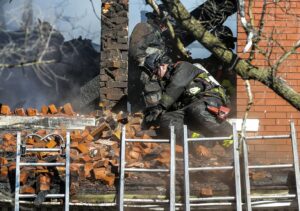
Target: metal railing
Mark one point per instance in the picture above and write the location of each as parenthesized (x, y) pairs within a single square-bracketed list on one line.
[(222, 200), (123, 168), (64, 150), (295, 165)]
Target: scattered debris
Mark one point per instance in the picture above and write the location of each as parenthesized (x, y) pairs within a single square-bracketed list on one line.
[(94, 150)]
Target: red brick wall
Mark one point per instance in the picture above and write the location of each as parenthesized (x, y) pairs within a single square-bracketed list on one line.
[(273, 112)]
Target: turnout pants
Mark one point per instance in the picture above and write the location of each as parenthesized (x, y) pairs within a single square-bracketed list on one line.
[(197, 118)]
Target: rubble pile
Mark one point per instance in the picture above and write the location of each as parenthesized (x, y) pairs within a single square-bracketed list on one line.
[(45, 110), (94, 159), (94, 151)]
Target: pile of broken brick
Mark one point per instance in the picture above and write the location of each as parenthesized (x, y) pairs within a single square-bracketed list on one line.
[(51, 109), (94, 152)]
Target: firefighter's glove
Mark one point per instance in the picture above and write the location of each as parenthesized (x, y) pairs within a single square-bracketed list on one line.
[(196, 135), (227, 143), (154, 113)]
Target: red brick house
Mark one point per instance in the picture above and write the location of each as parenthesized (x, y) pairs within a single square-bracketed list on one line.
[(273, 112)]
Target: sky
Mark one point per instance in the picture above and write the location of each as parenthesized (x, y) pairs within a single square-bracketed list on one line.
[(197, 49)]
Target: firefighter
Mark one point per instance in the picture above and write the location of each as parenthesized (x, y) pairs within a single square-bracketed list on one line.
[(147, 38), (190, 95)]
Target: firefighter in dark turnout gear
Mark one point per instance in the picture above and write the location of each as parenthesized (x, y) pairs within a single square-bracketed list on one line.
[(148, 38), (190, 95), (145, 39)]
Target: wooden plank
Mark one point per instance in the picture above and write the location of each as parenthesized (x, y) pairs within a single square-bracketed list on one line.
[(45, 122)]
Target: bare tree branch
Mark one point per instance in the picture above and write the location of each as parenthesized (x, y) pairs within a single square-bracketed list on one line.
[(260, 29), (249, 105), (27, 64), (95, 10), (248, 26), (285, 56), (242, 67)]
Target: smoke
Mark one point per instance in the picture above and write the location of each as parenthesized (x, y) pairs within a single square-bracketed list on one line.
[(23, 89), (37, 65), (73, 18)]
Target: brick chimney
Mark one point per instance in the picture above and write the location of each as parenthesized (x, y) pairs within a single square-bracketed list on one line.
[(114, 51)]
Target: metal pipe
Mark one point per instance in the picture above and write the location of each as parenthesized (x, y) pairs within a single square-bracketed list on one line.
[(209, 139), (122, 170), (256, 204), (270, 166), (268, 137), (42, 164), (149, 140), (172, 170), (272, 204), (157, 206), (82, 204), (216, 198), (179, 204), (247, 176), (296, 161), (211, 168), (237, 171), (145, 170), (212, 204), (27, 196), (67, 174), (148, 200), (43, 149), (17, 182), (186, 170), (274, 196)]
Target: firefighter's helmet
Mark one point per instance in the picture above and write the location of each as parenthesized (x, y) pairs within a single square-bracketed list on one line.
[(153, 61)]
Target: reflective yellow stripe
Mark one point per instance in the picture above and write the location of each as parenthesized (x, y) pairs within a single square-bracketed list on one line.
[(218, 89), (203, 76)]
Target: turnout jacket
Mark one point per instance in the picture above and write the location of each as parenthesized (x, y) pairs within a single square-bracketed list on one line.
[(185, 82)]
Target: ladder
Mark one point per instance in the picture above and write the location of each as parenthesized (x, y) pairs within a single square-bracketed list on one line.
[(292, 136), (214, 201), (63, 149), (123, 168)]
